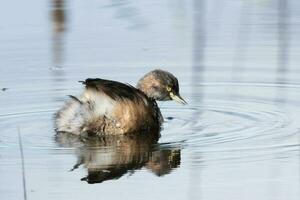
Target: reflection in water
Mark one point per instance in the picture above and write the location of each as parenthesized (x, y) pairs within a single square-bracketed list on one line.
[(283, 46), (110, 157), (242, 41), (58, 16), (199, 46), (283, 38), (197, 78), (128, 12)]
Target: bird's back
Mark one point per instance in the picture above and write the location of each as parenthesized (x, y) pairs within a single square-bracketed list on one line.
[(109, 107)]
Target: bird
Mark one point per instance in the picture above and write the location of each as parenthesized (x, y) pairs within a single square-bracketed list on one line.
[(108, 107), (124, 154)]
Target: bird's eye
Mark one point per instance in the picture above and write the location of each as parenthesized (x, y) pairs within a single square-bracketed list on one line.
[(168, 89)]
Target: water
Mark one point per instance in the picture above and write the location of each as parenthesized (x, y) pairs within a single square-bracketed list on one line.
[(238, 67)]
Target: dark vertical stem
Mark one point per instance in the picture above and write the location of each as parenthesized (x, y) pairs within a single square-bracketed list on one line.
[(23, 164)]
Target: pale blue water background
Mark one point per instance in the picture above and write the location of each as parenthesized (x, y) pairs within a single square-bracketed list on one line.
[(238, 67)]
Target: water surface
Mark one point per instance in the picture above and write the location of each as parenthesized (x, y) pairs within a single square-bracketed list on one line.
[(238, 67)]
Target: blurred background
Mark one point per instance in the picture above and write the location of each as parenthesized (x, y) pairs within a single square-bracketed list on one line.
[(237, 62)]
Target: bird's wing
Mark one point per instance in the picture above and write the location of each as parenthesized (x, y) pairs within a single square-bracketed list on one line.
[(114, 89)]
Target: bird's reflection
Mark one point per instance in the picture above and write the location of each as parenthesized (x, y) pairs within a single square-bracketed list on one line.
[(110, 157)]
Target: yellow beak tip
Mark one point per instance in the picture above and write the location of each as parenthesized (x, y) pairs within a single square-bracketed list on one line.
[(178, 99)]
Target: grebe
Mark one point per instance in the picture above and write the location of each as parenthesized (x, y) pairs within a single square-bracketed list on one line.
[(110, 108)]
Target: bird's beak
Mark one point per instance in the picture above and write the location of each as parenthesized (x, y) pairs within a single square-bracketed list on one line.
[(177, 98)]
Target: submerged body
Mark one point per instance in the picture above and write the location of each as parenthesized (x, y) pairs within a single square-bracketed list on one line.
[(111, 108)]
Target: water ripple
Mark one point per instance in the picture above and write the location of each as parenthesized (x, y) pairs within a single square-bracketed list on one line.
[(217, 122), (242, 122)]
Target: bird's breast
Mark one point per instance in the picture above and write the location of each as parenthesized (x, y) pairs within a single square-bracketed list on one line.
[(132, 116)]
